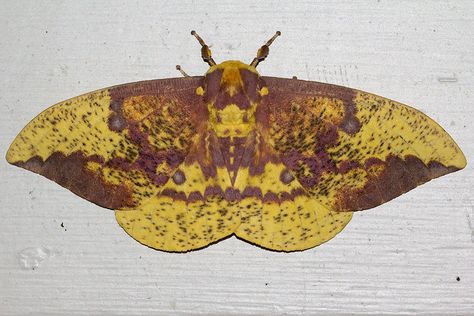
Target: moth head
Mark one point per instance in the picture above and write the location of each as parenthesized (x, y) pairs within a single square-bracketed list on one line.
[(234, 80)]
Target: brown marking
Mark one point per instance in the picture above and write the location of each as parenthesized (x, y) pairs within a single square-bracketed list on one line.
[(116, 120), (399, 176), (179, 177), (232, 159), (348, 165), (270, 197), (213, 191), (317, 164), (116, 105), (372, 161), (327, 137), (195, 196), (174, 194), (256, 154), (71, 173), (218, 157), (136, 108), (212, 85), (286, 177), (117, 123), (232, 194), (252, 192), (285, 90), (240, 99), (181, 88), (252, 84), (350, 124), (246, 92), (207, 153), (285, 196)]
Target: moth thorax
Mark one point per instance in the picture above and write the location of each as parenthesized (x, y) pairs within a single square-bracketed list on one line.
[(232, 121)]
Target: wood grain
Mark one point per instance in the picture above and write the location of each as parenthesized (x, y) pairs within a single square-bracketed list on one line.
[(414, 255)]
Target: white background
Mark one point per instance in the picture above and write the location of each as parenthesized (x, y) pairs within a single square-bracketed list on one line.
[(402, 257)]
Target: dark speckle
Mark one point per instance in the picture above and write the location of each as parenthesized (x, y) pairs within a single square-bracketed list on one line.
[(458, 279)]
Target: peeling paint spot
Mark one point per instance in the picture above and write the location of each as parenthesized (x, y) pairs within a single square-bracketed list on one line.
[(31, 258), (453, 78), (470, 225)]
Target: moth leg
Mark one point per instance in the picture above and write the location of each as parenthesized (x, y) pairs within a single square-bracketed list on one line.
[(205, 50), (263, 51), (178, 67)]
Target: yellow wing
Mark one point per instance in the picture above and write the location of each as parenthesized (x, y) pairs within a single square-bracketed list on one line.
[(115, 147), (275, 211), (353, 150), (283, 216)]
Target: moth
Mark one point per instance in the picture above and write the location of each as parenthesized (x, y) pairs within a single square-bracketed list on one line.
[(280, 163)]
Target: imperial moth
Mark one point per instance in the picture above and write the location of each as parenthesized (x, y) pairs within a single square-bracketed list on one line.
[(280, 163)]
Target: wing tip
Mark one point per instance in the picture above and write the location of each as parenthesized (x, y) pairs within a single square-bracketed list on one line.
[(459, 160), (10, 156), (463, 161), (462, 165)]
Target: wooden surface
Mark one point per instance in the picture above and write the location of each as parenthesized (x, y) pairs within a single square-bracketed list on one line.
[(62, 255)]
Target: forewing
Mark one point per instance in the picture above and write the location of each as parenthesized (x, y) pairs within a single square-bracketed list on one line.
[(115, 147), (353, 150)]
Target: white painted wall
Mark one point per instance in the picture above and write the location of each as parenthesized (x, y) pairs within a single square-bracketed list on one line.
[(403, 257)]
